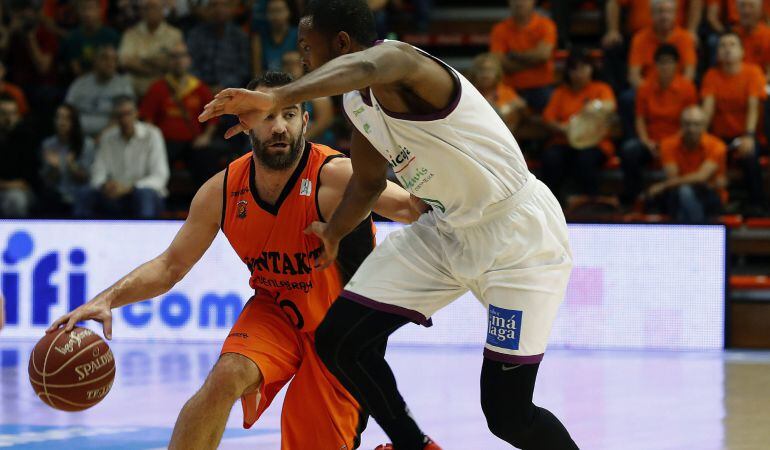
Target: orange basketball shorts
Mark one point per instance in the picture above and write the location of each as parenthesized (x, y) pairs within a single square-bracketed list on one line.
[(318, 413)]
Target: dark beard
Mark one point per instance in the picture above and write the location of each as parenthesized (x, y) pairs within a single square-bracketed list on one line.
[(273, 161)]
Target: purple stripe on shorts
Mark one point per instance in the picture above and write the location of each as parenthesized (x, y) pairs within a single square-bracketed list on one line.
[(512, 359), (410, 314)]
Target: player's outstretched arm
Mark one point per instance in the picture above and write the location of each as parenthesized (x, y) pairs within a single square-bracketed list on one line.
[(366, 184), (161, 273), (387, 63), (394, 203)]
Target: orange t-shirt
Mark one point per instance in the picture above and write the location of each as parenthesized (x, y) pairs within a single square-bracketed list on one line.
[(731, 94), (566, 102), (508, 36), (645, 43), (504, 95), (270, 240), (728, 10), (756, 44), (711, 148), (640, 14), (17, 94), (662, 108)]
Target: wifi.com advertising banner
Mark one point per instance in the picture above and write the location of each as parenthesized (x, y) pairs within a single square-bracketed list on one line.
[(633, 286)]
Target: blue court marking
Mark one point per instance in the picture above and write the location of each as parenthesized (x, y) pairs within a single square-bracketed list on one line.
[(36, 437)]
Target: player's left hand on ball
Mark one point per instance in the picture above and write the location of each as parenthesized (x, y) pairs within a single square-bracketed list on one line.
[(238, 101), (330, 244)]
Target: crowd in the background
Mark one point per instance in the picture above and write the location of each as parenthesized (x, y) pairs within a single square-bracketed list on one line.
[(99, 99)]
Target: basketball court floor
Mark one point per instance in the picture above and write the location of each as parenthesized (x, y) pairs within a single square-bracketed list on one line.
[(608, 399)]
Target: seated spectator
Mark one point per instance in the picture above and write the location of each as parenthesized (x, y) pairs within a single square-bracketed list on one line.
[(270, 43), (696, 171), (731, 93), (66, 157), (754, 34), (122, 185), (486, 74), (220, 50), (79, 48), (30, 56), (93, 94), (61, 16), (525, 44), (641, 60), (173, 104), (18, 171), (578, 93), (659, 105), (13, 91), (320, 110), (721, 15), (144, 47)]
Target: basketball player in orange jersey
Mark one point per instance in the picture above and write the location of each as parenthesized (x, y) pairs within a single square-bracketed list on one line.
[(262, 203)]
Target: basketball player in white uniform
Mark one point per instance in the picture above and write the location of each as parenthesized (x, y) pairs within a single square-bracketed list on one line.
[(494, 229)]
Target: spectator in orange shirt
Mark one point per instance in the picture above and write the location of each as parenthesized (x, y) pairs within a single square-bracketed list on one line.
[(732, 92), (486, 74), (696, 171), (13, 91), (659, 105), (754, 34), (525, 44), (173, 103), (578, 92)]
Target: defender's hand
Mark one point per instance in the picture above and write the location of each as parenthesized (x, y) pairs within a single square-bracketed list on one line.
[(97, 309), (238, 101), (331, 244)]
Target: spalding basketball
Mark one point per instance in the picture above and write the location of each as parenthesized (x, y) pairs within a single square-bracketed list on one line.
[(71, 371)]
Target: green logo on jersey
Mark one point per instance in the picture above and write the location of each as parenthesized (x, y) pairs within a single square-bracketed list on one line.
[(435, 204), (367, 128), (358, 111)]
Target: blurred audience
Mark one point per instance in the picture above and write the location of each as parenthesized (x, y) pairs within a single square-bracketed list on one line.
[(18, 170), (754, 33), (220, 50), (143, 50), (486, 74), (721, 15), (67, 157), (525, 43), (13, 91), (94, 93), (279, 36), (321, 110), (579, 94), (81, 43), (130, 171), (173, 104), (695, 163), (660, 101), (61, 16), (732, 92)]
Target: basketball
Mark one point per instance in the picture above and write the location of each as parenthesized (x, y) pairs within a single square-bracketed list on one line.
[(71, 371)]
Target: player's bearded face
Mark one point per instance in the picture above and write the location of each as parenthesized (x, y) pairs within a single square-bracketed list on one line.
[(277, 143)]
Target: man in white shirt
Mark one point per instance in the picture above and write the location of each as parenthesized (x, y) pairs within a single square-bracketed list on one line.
[(130, 172)]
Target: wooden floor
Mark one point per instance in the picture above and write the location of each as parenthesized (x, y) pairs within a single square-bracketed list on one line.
[(608, 400)]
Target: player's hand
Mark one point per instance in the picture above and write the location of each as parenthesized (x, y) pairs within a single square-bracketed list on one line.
[(331, 244), (97, 309), (238, 101), (612, 39), (418, 207)]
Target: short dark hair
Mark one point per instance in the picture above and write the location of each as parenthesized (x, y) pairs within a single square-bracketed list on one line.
[(351, 16), (272, 79), (731, 33), (121, 99), (4, 98), (666, 50)]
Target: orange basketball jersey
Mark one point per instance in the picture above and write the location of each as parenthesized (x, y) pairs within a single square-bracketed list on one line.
[(270, 239)]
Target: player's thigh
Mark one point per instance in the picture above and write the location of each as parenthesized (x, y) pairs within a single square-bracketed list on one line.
[(264, 336), (521, 307), (407, 274), (317, 411)]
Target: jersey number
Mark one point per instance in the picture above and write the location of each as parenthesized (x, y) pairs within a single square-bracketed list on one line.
[(292, 312)]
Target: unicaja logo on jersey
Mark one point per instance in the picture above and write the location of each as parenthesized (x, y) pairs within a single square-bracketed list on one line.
[(504, 328), (19, 250), (403, 157)]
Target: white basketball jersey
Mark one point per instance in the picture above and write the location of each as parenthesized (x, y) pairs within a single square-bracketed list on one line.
[(459, 160)]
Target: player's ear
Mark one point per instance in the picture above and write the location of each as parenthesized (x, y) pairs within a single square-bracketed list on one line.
[(342, 43), (305, 120)]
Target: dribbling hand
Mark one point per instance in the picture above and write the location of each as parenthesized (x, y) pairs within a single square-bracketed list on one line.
[(97, 309), (331, 244)]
